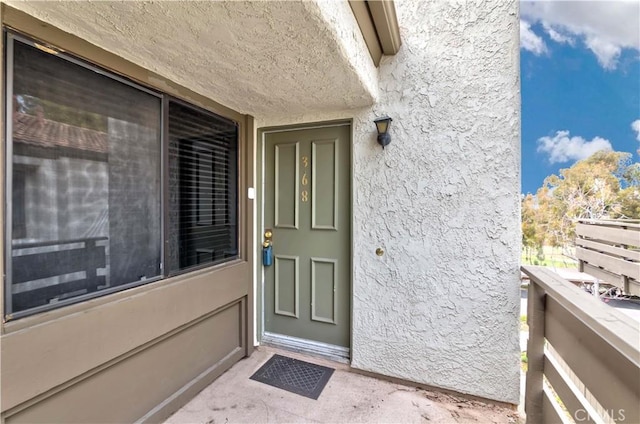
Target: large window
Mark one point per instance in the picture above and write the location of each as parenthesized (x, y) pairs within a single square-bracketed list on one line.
[(84, 182)]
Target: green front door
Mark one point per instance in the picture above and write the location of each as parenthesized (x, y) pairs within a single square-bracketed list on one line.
[(307, 209)]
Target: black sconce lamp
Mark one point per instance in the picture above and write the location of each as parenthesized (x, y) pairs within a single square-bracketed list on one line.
[(382, 125)]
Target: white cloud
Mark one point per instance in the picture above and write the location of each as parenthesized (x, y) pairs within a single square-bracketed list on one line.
[(564, 148), (606, 27), (635, 125), (557, 36), (606, 52), (530, 41)]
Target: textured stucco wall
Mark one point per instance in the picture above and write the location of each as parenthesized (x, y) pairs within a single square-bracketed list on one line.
[(252, 56), (441, 306)]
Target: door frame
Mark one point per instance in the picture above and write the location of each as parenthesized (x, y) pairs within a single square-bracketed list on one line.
[(287, 342)]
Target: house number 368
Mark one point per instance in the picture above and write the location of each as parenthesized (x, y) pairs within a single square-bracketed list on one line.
[(305, 180)]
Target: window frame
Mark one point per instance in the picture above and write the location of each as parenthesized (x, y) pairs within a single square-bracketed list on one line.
[(10, 36)]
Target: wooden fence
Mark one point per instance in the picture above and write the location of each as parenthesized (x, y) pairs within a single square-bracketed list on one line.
[(583, 356), (610, 251)]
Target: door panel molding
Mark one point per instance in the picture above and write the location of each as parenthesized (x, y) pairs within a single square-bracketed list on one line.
[(316, 175), (280, 197), (331, 291), (294, 289)]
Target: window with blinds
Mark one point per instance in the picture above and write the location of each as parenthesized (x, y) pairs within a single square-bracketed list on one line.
[(85, 201), (202, 187)]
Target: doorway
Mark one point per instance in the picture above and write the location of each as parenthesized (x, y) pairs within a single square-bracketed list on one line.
[(307, 210)]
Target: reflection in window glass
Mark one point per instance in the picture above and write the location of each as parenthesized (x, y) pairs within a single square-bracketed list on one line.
[(86, 212)]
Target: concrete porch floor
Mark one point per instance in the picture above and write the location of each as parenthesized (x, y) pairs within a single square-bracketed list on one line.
[(348, 397)]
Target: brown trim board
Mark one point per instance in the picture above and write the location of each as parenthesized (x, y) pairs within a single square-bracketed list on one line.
[(379, 26)]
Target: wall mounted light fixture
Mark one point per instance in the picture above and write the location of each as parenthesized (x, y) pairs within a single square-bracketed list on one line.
[(382, 125)]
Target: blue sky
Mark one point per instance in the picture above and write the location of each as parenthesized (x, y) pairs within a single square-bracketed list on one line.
[(580, 74)]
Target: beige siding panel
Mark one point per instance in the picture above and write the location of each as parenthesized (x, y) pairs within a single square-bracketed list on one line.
[(127, 390), (37, 359)]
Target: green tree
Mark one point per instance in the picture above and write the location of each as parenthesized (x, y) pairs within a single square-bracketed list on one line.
[(530, 228), (628, 203), (631, 174), (590, 189)]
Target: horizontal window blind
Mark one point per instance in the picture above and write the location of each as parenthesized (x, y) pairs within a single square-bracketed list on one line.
[(203, 187)]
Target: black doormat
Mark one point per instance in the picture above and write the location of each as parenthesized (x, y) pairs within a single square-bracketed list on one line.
[(294, 376)]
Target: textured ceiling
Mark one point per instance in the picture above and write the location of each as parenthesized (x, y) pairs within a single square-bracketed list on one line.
[(262, 58)]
